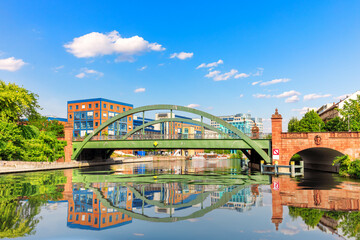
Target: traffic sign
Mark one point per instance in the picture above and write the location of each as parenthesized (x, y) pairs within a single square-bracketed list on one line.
[(276, 185), (276, 153)]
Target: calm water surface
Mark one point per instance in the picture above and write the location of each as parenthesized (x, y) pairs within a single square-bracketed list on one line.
[(177, 200)]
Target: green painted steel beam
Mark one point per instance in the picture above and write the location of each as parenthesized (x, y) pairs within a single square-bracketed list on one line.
[(230, 127), (173, 144), (174, 120)]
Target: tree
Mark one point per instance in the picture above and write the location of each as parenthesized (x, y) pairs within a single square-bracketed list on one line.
[(16, 102), (43, 124), (351, 113), (11, 141), (311, 122), (336, 125), (293, 125)]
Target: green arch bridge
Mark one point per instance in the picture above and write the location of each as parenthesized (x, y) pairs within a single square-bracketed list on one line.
[(103, 146)]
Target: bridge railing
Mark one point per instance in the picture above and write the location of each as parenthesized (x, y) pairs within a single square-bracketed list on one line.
[(175, 136)]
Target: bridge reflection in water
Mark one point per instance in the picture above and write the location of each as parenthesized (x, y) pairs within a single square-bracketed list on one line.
[(114, 197)]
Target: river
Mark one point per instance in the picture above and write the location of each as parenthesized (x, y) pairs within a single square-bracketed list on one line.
[(199, 199)]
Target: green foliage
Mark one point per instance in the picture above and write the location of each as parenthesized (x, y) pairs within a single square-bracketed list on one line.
[(27, 143), (310, 216), (293, 125), (336, 125), (350, 224), (296, 158), (11, 141), (29, 131), (344, 162), (16, 102), (237, 155), (311, 122), (351, 112), (44, 148), (43, 124)]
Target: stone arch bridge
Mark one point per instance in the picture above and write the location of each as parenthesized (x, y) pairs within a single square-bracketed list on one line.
[(317, 149)]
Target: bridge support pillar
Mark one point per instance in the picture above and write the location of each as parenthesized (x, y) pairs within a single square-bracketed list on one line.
[(68, 132), (276, 127)]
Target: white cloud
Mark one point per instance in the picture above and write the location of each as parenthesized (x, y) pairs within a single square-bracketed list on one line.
[(138, 90), (292, 99), (99, 44), (142, 68), (255, 83), (288, 94), (259, 72), (80, 75), (56, 69), (212, 74), (11, 64), (241, 95), (241, 75), (314, 96), (89, 72), (193, 105), (221, 77), (259, 95), (275, 81), (304, 110), (210, 65), (342, 97), (182, 55)]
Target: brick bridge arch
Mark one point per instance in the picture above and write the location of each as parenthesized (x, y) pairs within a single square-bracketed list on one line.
[(318, 148)]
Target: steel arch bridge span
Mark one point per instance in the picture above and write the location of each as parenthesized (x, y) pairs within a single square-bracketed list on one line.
[(246, 139)]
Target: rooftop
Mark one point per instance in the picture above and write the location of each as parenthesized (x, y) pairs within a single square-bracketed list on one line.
[(100, 99)]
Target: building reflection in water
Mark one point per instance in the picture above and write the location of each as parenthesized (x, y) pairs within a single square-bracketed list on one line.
[(85, 211)]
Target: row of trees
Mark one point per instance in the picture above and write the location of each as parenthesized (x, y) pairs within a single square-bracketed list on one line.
[(311, 122), (24, 133)]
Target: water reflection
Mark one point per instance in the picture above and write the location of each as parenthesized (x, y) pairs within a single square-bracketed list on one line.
[(108, 199)]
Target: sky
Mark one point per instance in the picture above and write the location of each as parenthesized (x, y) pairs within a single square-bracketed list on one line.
[(223, 57)]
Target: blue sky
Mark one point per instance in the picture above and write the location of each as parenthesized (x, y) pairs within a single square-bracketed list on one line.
[(265, 54)]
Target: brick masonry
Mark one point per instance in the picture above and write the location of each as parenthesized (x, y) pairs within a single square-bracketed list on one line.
[(292, 143)]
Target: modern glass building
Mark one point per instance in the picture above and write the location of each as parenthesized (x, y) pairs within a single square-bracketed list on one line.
[(243, 122), (88, 114)]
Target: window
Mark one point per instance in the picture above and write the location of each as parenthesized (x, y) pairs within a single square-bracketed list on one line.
[(111, 107), (83, 115), (129, 119), (89, 218), (96, 124), (70, 107), (118, 108), (117, 217), (77, 116), (71, 209), (122, 216), (70, 116), (70, 216), (103, 220), (104, 115), (96, 114), (104, 105), (77, 217), (83, 125), (83, 106), (110, 219), (96, 105), (90, 115), (95, 222), (95, 201), (124, 109), (77, 125), (90, 105), (77, 107), (89, 124), (83, 217)]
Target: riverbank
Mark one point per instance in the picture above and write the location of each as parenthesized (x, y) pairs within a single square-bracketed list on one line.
[(24, 166)]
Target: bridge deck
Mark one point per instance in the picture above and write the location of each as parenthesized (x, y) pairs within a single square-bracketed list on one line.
[(174, 144)]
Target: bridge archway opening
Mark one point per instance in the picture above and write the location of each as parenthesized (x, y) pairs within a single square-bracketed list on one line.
[(318, 159)]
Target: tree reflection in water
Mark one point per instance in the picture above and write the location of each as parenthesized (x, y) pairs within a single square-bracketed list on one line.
[(21, 197)]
